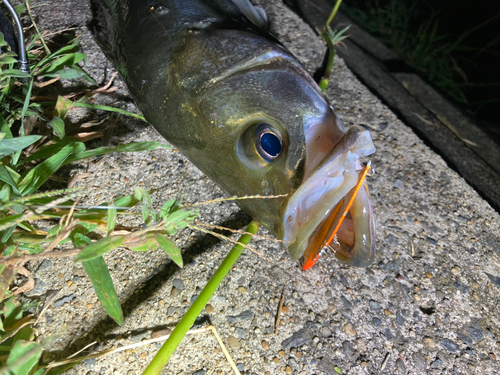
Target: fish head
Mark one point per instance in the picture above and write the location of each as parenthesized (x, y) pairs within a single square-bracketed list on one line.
[(271, 133)]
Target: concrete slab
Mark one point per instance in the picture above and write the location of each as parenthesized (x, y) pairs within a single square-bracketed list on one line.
[(429, 303)]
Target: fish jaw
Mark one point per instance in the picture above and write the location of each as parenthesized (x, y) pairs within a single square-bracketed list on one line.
[(322, 190)]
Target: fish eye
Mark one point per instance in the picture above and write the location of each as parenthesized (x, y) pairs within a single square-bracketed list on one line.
[(261, 144), (268, 142)]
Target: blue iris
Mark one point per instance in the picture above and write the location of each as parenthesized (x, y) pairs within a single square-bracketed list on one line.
[(271, 144)]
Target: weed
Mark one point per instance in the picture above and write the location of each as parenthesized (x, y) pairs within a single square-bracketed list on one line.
[(426, 50), (34, 144)]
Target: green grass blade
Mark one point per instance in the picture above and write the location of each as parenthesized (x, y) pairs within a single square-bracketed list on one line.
[(26, 104), (129, 147), (9, 176), (4, 128), (46, 151), (57, 125), (103, 285), (67, 60), (38, 175), (23, 357), (6, 276), (109, 109), (15, 73), (168, 348), (127, 201), (111, 222), (10, 221), (99, 248), (9, 146), (173, 251)]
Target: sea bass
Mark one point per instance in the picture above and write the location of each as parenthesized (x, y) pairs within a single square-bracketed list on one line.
[(217, 85)]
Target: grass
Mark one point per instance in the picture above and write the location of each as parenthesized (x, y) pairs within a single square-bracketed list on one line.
[(35, 143), (422, 46)]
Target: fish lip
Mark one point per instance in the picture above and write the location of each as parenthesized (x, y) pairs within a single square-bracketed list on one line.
[(311, 203)]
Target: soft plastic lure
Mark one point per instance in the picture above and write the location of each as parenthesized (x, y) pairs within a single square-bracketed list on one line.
[(334, 221)]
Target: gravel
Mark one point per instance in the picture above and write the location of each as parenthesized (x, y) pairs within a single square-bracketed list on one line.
[(428, 304)]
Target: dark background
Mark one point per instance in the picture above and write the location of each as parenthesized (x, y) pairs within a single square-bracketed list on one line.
[(478, 58)]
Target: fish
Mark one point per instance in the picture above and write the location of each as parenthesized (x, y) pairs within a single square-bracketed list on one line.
[(216, 84)]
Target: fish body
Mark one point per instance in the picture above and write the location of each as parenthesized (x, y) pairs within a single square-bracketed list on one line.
[(225, 92)]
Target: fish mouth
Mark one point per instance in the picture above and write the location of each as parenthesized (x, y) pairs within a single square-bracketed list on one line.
[(313, 210)]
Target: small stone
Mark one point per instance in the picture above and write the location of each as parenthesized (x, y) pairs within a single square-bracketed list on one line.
[(233, 342), (90, 363), (299, 338), (388, 334), (376, 322), (360, 345), (419, 362), (46, 264), (428, 342), (200, 372), (331, 309), (209, 309), (41, 287), (144, 355), (240, 366), (288, 370), (401, 366), (174, 292), (348, 348), (349, 329), (265, 345), (245, 315), (470, 333), (69, 283), (242, 290), (284, 309), (398, 184), (178, 283), (374, 305), (399, 319), (281, 353), (240, 332), (325, 331), (276, 360), (219, 299), (450, 345), (436, 363), (64, 300), (161, 332), (309, 298), (456, 270)]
